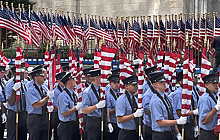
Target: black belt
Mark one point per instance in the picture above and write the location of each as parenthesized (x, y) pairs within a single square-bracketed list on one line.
[(68, 122), (165, 132), (15, 111), (35, 114), (93, 117), (207, 130), (128, 130)]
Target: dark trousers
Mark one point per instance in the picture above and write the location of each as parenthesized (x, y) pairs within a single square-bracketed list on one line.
[(207, 135), (162, 135), (2, 127), (188, 131), (84, 126), (147, 132), (114, 134), (68, 131), (55, 121), (127, 135), (93, 129), (11, 125), (217, 62), (37, 126)]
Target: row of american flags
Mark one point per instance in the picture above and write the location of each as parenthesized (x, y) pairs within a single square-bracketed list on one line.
[(44, 27)]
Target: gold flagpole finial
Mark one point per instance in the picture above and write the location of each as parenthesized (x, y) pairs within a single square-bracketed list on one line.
[(103, 39), (208, 44), (205, 41), (191, 42), (168, 41), (2, 46), (47, 47), (159, 42), (70, 46), (22, 45), (141, 40), (122, 44), (174, 44), (76, 41), (18, 40), (59, 43), (151, 45)]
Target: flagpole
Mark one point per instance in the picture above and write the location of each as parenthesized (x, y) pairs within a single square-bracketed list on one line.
[(213, 33), (198, 20), (1, 28), (6, 32)]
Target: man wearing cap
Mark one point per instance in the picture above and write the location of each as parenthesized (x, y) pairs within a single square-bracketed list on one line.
[(92, 105), (3, 117), (87, 77), (68, 105), (191, 126), (163, 112), (32, 74), (10, 90), (111, 96), (147, 82), (36, 100), (57, 91), (208, 106), (113, 72), (126, 110)]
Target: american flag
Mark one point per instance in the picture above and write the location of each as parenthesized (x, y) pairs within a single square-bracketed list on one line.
[(146, 41), (156, 37), (126, 70), (217, 27), (181, 32), (46, 61), (120, 32), (77, 27), (137, 35), (195, 35), (169, 28), (201, 32), (18, 70), (107, 56), (140, 77), (186, 95), (189, 28), (159, 60), (97, 58), (58, 67), (34, 23), (150, 32), (176, 57), (56, 28), (166, 70), (162, 33), (46, 34), (79, 87), (150, 60), (209, 29), (205, 69), (86, 35)]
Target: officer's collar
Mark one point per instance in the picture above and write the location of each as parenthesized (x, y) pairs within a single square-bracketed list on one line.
[(96, 87), (115, 91)]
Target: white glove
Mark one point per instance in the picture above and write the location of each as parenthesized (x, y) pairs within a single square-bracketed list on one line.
[(178, 136), (16, 86), (50, 108), (4, 118), (78, 105), (196, 112), (196, 131), (101, 104), (138, 113), (217, 106), (110, 128), (182, 120), (50, 93)]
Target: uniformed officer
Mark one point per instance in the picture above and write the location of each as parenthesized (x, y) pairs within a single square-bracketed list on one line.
[(30, 83), (91, 105), (10, 90), (113, 72), (111, 96), (208, 107), (36, 99), (163, 112), (57, 91), (6, 73), (177, 101), (126, 110), (3, 117), (87, 77), (68, 105)]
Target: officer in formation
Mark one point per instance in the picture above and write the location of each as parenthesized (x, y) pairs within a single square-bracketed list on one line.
[(87, 77), (68, 106), (10, 90), (208, 107)]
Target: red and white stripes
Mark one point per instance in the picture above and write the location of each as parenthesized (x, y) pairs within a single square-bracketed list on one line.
[(18, 70), (97, 58), (166, 71), (205, 69), (79, 90), (150, 60), (107, 55), (159, 60), (140, 77)]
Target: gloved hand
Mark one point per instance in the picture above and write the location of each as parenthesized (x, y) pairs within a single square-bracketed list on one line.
[(78, 105), (178, 136), (16, 86), (4, 118), (50, 108), (138, 113), (182, 120), (110, 128), (196, 131), (196, 112), (101, 104), (217, 106), (50, 93)]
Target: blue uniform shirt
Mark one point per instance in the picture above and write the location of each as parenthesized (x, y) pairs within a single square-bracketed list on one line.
[(146, 105), (89, 99), (206, 104), (110, 101), (107, 87), (8, 92), (159, 112), (56, 94), (30, 83), (32, 97), (123, 108), (2, 98), (145, 86), (64, 104)]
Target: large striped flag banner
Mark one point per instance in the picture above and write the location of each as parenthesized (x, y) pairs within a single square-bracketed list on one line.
[(107, 55), (126, 70), (18, 70), (140, 77), (150, 60), (79, 87), (159, 60), (186, 97), (205, 69)]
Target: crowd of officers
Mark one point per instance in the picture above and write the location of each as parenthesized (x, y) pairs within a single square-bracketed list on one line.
[(161, 113)]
